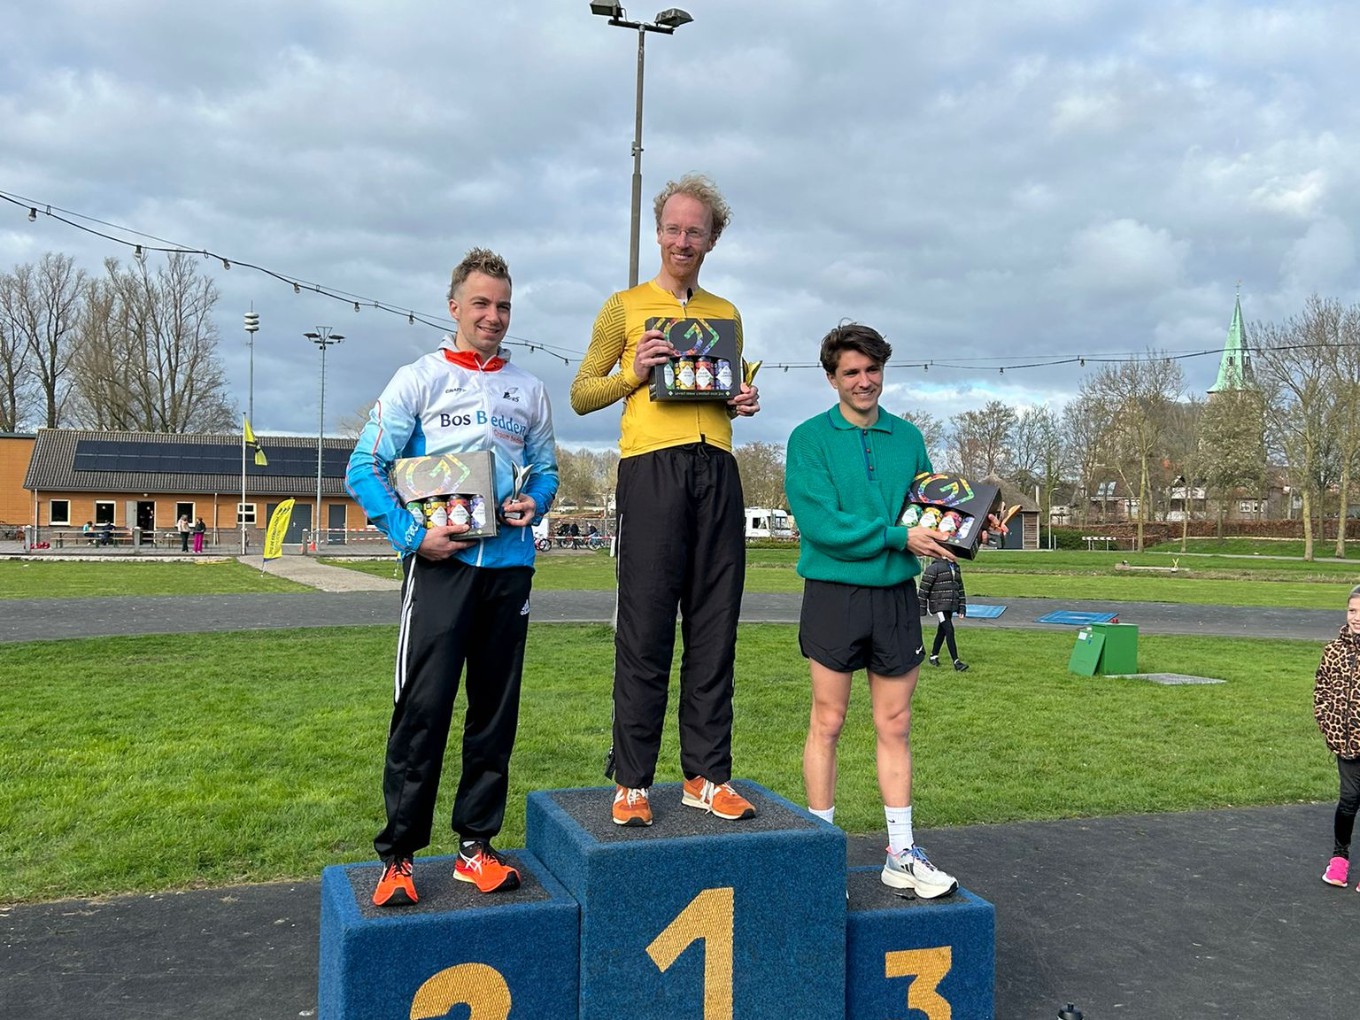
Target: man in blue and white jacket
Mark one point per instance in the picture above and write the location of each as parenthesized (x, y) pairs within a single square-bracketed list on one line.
[(461, 601)]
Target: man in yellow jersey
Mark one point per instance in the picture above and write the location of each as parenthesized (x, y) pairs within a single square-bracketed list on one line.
[(681, 541)]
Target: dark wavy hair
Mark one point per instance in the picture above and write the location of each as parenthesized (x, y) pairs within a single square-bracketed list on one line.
[(854, 336)]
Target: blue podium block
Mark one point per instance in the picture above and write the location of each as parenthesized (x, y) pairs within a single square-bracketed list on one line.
[(695, 916), (457, 952), (917, 959)]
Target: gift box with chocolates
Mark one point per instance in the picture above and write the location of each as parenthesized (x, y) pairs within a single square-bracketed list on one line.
[(450, 488), (705, 367), (952, 506)]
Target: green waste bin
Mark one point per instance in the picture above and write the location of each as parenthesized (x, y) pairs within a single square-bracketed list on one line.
[(1120, 653)]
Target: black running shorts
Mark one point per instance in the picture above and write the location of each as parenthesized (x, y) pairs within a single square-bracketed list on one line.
[(844, 627)]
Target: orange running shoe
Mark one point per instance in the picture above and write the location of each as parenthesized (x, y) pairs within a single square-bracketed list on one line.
[(485, 868), (716, 798), (395, 888), (631, 806)]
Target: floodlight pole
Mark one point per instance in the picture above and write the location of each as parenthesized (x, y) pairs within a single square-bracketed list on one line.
[(323, 338), (252, 326), (666, 23)]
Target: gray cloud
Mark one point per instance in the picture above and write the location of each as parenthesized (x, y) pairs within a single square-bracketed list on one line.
[(987, 184)]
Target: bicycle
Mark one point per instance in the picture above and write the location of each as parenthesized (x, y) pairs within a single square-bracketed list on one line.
[(543, 544)]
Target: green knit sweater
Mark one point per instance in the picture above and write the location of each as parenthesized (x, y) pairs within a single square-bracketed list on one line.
[(846, 486)]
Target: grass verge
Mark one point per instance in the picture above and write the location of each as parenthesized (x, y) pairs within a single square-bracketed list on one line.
[(150, 763), (60, 579)]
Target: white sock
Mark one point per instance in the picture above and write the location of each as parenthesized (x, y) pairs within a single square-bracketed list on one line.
[(899, 828), (825, 814)]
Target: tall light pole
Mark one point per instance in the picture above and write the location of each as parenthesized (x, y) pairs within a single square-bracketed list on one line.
[(252, 320), (666, 23), (323, 338)]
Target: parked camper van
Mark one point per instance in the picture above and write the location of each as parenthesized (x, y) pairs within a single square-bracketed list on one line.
[(764, 522)]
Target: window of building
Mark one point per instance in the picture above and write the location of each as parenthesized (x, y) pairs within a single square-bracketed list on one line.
[(59, 511), (184, 510), (1249, 506), (1105, 490), (103, 511), (245, 513)]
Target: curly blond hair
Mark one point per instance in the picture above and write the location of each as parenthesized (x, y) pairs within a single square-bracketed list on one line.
[(478, 260), (701, 189)]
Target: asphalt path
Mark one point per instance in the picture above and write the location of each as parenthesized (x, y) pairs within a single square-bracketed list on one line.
[(47, 619)]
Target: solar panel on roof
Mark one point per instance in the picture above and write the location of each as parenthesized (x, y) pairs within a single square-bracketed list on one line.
[(153, 456)]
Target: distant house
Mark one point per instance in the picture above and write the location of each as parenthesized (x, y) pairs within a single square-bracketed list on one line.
[(141, 482), (1111, 502)]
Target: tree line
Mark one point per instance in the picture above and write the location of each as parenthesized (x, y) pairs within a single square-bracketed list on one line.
[(130, 348)]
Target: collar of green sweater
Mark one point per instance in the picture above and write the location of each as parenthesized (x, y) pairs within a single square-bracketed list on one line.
[(837, 420)]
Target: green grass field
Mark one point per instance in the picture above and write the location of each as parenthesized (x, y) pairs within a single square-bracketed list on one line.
[(151, 763), (1204, 580), (61, 579)]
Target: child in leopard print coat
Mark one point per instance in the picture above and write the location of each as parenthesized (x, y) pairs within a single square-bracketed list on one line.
[(1336, 706)]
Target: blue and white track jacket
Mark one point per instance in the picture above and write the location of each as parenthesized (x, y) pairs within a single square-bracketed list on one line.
[(449, 402)]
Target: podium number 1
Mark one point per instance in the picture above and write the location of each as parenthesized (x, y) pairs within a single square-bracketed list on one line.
[(927, 968), (708, 917)]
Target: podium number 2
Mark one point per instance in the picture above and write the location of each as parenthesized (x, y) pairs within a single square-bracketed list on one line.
[(927, 968), (469, 984), (708, 917)]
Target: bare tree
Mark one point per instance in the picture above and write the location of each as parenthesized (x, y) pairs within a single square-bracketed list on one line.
[(1086, 432), (586, 477), (1232, 445), (147, 356), (39, 307), (1292, 366), (932, 431), (982, 439), (762, 473), (1183, 458), (1345, 366), (16, 389), (1140, 393), (351, 424)]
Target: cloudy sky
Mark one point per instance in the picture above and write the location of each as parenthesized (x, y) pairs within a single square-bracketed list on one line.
[(988, 184)]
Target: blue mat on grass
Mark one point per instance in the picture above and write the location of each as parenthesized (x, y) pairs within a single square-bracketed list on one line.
[(976, 612), (1069, 618)]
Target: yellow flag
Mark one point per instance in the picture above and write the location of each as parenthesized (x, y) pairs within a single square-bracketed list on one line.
[(251, 441), (278, 527)]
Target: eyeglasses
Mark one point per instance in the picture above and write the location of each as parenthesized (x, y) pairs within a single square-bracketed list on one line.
[(693, 234)]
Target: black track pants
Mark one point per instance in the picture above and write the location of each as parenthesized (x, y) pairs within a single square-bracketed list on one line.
[(452, 614), (681, 544), (945, 633)]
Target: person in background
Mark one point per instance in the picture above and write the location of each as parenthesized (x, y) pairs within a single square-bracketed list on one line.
[(182, 526), (942, 595), (199, 529), (1336, 706)]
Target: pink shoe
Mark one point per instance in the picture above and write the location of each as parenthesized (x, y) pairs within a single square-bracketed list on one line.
[(1338, 870)]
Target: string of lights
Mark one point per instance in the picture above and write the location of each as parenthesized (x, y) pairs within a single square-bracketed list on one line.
[(142, 244)]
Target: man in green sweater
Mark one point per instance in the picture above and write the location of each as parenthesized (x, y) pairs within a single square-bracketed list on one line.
[(847, 474)]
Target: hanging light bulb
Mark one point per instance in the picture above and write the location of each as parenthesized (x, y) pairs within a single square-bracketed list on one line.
[(137, 253), (356, 306), (32, 214), (297, 289), (411, 318), (226, 264)]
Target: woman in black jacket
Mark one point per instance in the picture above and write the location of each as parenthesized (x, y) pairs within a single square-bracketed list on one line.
[(941, 593)]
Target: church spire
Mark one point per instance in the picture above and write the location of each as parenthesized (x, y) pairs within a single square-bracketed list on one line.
[(1234, 370)]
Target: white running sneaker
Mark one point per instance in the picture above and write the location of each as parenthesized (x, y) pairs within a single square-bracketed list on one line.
[(911, 869)]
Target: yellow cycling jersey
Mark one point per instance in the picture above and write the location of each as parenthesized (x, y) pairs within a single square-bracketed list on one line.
[(647, 424)]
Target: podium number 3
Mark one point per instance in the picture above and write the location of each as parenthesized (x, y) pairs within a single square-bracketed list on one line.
[(927, 968), (469, 984), (708, 917)]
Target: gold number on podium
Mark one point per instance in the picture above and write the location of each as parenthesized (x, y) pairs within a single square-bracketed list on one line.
[(469, 984), (926, 968), (708, 917)]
